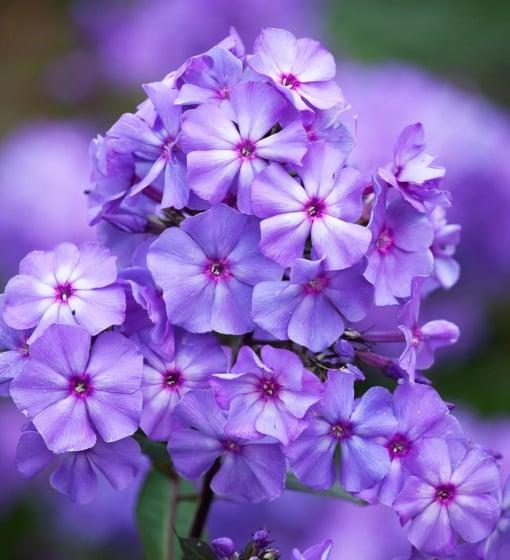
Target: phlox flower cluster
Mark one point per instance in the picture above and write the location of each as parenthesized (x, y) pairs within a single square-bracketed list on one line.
[(221, 310)]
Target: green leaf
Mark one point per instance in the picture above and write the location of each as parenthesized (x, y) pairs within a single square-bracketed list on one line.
[(186, 507), (155, 450), (196, 549), (292, 483), (153, 515)]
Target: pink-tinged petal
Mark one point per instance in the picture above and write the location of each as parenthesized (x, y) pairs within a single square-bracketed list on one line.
[(99, 309), (257, 107), (115, 364), (32, 455), (275, 192), (476, 474), (283, 237), (65, 426), (341, 244), (322, 95), (118, 462), (313, 62), (210, 174), (373, 415), (114, 415), (203, 448), (76, 478), (289, 145), (208, 128), (273, 303), (474, 517), (63, 348), (275, 52), (96, 267), (66, 258), (315, 323), (40, 265), (256, 473), (416, 496), (311, 456), (431, 531)]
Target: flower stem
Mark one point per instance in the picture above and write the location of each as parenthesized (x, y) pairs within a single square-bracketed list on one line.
[(206, 499)]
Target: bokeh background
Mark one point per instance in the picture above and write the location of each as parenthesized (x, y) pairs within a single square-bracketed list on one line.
[(69, 68)]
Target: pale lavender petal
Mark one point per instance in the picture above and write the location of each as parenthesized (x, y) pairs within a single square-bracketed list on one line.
[(96, 267), (65, 426), (115, 364), (122, 416), (477, 473), (289, 145), (284, 236), (363, 463), (432, 532), (373, 415), (474, 517), (208, 128), (119, 462), (322, 95), (416, 495), (313, 62), (99, 309)]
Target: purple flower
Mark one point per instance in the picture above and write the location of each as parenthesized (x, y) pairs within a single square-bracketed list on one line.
[(446, 238), (266, 396), (497, 545), (401, 237), (420, 413), (210, 77), (13, 351), (68, 285), (355, 425), (412, 174), (253, 471), (301, 69), (317, 552), (213, 261), (166, 379), (421, 342), (322, 300), (156, 144), (326, 206), (445, 498), (70, 395), (226, 150), (76, 473)]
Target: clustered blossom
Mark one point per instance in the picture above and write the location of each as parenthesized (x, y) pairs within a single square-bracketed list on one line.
[(223, 312)]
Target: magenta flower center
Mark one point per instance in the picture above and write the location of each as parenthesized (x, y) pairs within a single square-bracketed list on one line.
[(64, 292), (80, 386), (385, 241), (341, 430), (246, 149), (445, 493), (172, 379), (167, 148), (218, 270), (398, 446), (316, 285), (289, 81), (269, 389), (315, 208), (231, 446), (223, 93)]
